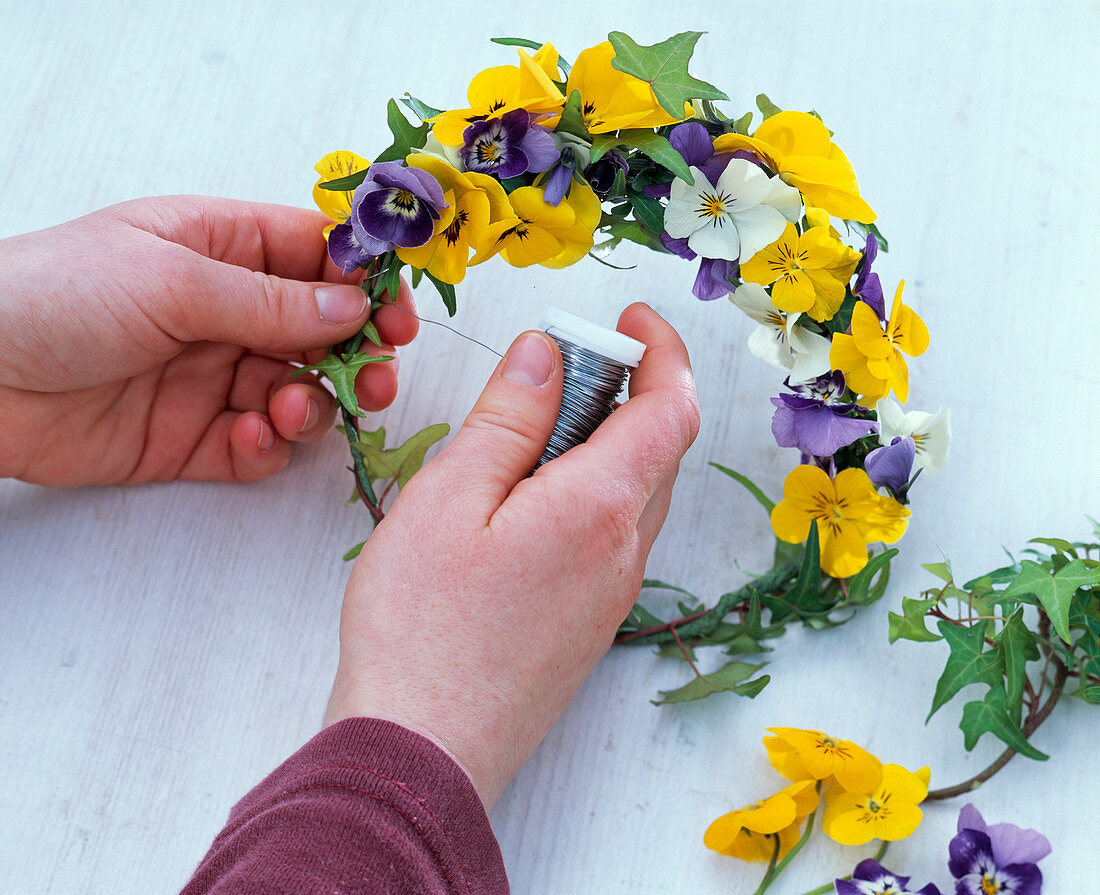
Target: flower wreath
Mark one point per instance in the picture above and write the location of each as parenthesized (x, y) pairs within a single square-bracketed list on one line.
[(625, 144)]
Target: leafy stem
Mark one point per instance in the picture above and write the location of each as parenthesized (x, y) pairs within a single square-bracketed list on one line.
[(351, 432), (1030, 725)]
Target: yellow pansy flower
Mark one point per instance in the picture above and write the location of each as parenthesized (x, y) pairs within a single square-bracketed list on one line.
[(336, 203), (871, 357), (809, 273), (798, 147), (887, 812), (847, 510), (810, 754), (612, 99), (494, 91), (750, 833), (553, 236), (466, 223)]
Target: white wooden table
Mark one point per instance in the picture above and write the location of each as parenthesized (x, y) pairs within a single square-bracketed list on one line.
[(163, 647)]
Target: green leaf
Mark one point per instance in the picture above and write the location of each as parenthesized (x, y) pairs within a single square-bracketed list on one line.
[(862, 230), (415, 276), (1018, 647), (446, 292), (1091, 694), (401, 463), (910, 624), (941, 570), (354, 551), (766, 106), (370, 332), (665, 67), (657, 584), (516, 42), (347, 182), (572, 119), (967, 664), (422, 110), (1059, 544), (726, 678), (990, 716), (649, 211), (640, 618), (376, 438), (748, 485), (341, 372), (406, 136), (741, 125), (650, 144), (1054, 592), (860, 590)]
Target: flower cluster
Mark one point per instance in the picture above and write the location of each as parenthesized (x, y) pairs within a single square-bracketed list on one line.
[(997, 859), (546, 158), (863, 798)]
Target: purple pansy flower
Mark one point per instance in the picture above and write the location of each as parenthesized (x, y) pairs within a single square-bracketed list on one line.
[(977, 873), (871, 878), (891, 465), (813, 421), (394, 206), (1011, 844), (868, 287), (507, 146)]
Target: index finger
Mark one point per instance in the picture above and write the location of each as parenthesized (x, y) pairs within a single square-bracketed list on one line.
[(641, 443)]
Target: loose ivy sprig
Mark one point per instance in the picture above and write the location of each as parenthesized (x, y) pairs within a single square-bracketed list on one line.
[(792, 590), (1042, 612)]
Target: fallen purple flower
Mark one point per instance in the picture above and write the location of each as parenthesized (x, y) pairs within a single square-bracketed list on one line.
[(977, 873), (871, 878), (1011, 844)]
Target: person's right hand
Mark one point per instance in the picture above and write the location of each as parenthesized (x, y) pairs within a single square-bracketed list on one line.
[(485, 597)]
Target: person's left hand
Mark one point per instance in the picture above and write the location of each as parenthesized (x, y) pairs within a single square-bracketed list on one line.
[(153, 340)]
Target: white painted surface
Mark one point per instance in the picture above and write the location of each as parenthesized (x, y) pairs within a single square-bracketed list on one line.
[(163, 647)]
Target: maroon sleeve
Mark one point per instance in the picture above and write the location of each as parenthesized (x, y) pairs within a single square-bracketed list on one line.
[(366, 807)]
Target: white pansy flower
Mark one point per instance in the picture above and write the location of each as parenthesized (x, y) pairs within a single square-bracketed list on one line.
[(781, 339), (735, 218), (930, 432)]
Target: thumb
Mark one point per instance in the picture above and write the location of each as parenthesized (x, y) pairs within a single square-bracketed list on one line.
[(504, 435), (226, 303)]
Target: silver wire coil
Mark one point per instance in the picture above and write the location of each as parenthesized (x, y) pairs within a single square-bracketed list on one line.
[(590, 387)]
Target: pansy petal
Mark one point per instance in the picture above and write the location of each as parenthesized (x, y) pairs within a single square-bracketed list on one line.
[(717, 239), (757, 227)]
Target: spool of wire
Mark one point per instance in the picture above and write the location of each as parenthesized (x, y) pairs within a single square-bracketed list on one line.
[(595, 364)]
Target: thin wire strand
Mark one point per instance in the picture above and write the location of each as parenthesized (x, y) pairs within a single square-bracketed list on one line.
[(444, 325)]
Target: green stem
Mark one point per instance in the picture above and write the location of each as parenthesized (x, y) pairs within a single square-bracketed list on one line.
[(702, 625), (769, 874), (773, 873), (351, 432)]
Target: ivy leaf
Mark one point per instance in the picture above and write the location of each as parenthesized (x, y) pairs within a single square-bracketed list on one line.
[(967, 664), (860, 590), (941, 570), (650, 144), (406, 136), (341, 372), (354, 551), (748, 485), (665, 67), (402, 462), (990, 716), (805, 594), (1054, 592), (422, 110), (1059, 544), (910, 624), (730, 677), (741, 125), (1018, 646)]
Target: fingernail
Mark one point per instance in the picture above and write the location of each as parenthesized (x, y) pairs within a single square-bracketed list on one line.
[(312, 412), (339, 305), (530, 360), (265, 441)]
